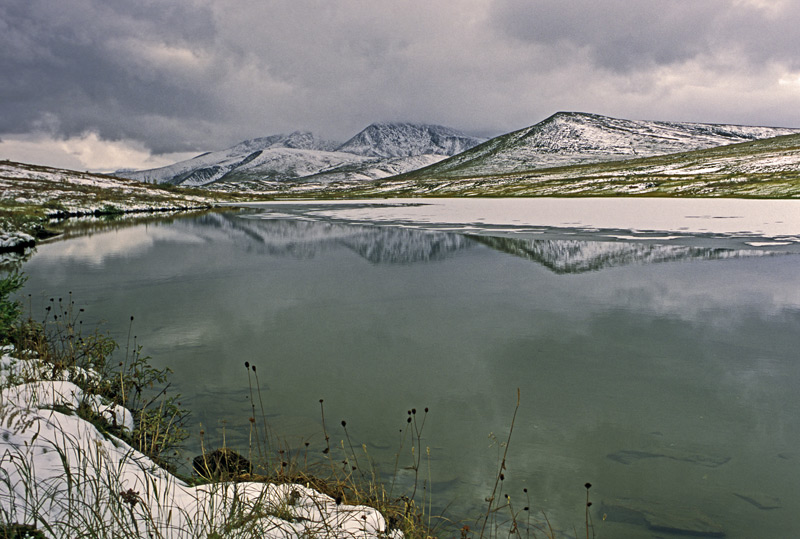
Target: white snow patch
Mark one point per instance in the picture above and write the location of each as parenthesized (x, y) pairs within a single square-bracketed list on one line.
[(59, 473)]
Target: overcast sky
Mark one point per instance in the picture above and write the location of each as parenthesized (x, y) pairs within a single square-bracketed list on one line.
[(107, 84)]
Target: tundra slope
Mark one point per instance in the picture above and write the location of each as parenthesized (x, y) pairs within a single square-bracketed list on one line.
[(572, 138), (32, 195)]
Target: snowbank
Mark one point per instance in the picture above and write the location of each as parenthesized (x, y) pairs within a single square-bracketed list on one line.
[(15, 240), (59, 473)]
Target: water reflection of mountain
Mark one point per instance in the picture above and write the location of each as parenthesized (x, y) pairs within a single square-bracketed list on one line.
[(305, 239), (577, 256)]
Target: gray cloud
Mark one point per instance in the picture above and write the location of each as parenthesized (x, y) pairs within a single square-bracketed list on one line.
[(76, 65), (627, 36), (192, 75)]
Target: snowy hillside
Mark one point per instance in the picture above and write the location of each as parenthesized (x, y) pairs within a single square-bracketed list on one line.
[(407, 139), (379, 151), (353, 172), (291, 155), (62, 191), (570, 138)]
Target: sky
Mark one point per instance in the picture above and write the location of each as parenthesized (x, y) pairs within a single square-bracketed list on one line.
[(108, 84)]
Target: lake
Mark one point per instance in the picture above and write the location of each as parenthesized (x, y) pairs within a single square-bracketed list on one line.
[(656, 354)]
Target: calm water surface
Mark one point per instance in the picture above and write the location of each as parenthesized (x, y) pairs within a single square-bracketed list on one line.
[(665, 374)]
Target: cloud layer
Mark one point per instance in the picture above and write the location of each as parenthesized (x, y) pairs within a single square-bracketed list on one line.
[(193, 75)]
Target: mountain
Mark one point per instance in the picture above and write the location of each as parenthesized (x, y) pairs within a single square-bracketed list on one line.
[(767, 168), (571, 138), (388, 140), (379, 151), (293, 155)]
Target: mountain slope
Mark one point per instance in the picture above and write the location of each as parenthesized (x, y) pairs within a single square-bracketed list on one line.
[(768, 168), (570, 138), (388, 140), (291, 155), (379, 151)]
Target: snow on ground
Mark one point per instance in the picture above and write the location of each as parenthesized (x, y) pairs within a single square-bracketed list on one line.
[(59, 473), (13, 240), (33, 184)]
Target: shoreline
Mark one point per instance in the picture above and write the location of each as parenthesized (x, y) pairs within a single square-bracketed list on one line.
[(58, 468)]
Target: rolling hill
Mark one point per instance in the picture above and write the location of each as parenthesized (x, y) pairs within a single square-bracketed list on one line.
[(572, 138)]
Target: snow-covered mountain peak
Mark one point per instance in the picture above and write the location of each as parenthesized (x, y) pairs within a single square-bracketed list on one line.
[(299, 140), (400, 139), (571, 138)]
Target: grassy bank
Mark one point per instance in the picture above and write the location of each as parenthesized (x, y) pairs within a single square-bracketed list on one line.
[(125, 409)]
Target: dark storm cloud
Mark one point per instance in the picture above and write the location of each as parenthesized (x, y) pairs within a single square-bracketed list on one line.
[(78, 65), (196, 75), (625, 36)]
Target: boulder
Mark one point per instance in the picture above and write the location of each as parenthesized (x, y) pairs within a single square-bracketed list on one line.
[(221, 464)]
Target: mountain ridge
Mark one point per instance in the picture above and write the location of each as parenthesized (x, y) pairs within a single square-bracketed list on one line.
[(380, 150), (574, 138), (404, 139), (397, 152)]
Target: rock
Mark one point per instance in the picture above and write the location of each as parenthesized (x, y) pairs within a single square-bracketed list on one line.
[(223, 463)]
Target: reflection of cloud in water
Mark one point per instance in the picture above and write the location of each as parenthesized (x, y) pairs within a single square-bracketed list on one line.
[(96, 249), (577, 256)]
